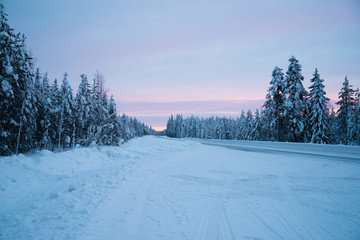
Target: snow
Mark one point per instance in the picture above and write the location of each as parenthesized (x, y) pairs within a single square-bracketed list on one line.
[(6, 87), (161, 188), (8, 69)]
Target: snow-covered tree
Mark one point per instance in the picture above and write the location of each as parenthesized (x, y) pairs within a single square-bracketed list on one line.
[(17, 97), (346, 105), (26, 96), (332, 126), (257, 130), (352, 128), (179, 128), (45, 142), (98, 107), (110, 132), (8, 87), (83, 110), (353, 123), (319, 112), (40, 105), (55, 109), (170, 127), (296, 103), (249, 125), (66, 120), (274, 105), (357, 115), (125, 128), (241, 127)]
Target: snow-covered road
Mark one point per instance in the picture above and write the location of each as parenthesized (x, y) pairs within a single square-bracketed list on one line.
[(159, 188)]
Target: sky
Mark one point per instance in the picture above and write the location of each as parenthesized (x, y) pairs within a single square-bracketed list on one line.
[(201, 57)]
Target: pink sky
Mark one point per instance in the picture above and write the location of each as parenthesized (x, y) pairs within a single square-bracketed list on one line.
[(157, 113), (202, 57)]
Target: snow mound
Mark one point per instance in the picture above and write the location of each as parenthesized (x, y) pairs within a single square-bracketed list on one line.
[(50, 195)]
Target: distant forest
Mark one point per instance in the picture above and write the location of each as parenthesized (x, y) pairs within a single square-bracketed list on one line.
[(289, 114), (38, 115)]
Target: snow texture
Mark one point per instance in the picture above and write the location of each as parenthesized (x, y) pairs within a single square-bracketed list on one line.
[(160, 188)]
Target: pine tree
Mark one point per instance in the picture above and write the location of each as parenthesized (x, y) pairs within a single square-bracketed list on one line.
[(170, 128), (125, 128), (26, 97), (346, 104), (351, 135), (66, 126), (249, 126), (104, 107), (45, 142), (131, 127), (256, 131), (111, 130), (83, 110), (8, 87), (296, 103), (192, 127), (17, 97), (274, 105), (264, 122), (98, 109), (55, 109), (179, 126), (94, 113), (37, 115), (353, 124), (333, 138), (319, 122), (40, 105), (357, 115)]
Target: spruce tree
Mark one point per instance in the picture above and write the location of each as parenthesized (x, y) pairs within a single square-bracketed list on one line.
[(249, 126), (346, 105), (8, 87), (357, 115), (170, 128), (83, 110), (96, 111), (241, 127), (274, 105), (40, 104), (333, 138), (45, 142), (179, 126), (66, 123), (110, 132), (125, 128), (256, 131), (55, 108), (26, 97), (17, 94), (296, 103), (352, 128), (319, 115)]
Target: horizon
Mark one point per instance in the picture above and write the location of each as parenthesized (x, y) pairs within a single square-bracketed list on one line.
[(202, 58), (161, 111)]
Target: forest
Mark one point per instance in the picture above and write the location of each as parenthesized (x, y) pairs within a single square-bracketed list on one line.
[(290, 114), (37, 114)]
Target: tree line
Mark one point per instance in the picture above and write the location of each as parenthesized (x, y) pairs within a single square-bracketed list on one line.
[(290, 113), (38, 115)]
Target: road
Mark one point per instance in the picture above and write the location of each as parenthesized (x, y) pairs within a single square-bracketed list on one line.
[(197, 191), (260, 149)]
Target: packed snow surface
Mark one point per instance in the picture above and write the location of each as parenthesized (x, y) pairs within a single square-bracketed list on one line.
[(160, 188)]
